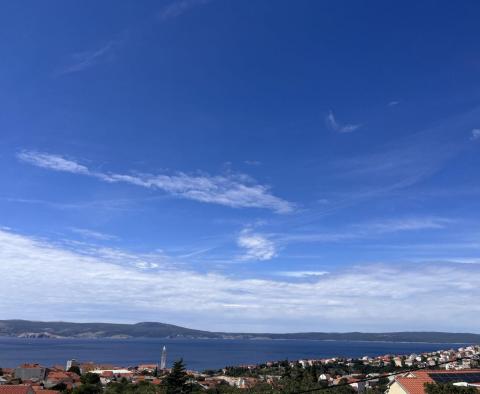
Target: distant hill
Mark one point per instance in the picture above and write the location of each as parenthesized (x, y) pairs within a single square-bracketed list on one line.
[(36, 329), (27, 328)]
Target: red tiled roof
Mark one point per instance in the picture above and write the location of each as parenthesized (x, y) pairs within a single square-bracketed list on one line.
[(414, 382), (28, 366), (107, 374), (15, 389), (61, 375)]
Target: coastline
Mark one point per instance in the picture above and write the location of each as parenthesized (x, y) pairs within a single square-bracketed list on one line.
[(232, 339)]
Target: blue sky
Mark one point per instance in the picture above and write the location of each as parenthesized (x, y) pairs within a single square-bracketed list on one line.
[(244, 166)]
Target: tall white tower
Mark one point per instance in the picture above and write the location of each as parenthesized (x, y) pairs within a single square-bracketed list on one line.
[(163, 362)]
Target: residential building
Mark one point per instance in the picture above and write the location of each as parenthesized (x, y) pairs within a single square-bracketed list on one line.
[(72, 363), (414, 382), (30, 372)]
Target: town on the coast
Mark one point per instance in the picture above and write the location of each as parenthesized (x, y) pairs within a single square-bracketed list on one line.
[(444, 371)]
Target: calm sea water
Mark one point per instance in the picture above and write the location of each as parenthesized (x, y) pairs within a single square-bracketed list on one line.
[(199, 354)]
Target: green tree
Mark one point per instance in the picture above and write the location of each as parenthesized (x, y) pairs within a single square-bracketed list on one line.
[(75, 369), (176, 380), (59, 387), (287, 370), (90, 384), (88, 389), (145, 388), (339, 390), (90, 378), (120, 387)]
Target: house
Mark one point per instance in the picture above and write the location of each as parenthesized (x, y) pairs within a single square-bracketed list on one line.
[(324, 377), (357, 384), (72, 363), (30, 372), (210, 383), (414, 382), (148, 368), (109, 374), (69, 379)]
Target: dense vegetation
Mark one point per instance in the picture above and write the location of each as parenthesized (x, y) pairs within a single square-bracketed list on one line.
[(339, 367)]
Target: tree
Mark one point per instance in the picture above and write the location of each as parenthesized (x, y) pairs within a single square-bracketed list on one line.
[(59, 387), (90, 384), (287, 369), (75, 369), (90, 378), (176, 381), (339, 390), (431, 388), (88, 389)]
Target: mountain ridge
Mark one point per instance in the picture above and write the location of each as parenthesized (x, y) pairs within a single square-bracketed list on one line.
[(62, 329)]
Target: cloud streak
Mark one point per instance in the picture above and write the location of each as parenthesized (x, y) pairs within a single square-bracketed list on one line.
[(368, 230), (340, 128), (475, 134), (86, 233), (52, 162), (302, 274), (232, 190), (179, 7), (82, 60)]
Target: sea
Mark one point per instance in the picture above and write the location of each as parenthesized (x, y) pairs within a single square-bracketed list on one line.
[(198, 354)]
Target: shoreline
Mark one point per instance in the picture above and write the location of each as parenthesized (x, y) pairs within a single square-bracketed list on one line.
[(230, 339)]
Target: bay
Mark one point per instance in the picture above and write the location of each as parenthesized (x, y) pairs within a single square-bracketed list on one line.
[(198, 354)]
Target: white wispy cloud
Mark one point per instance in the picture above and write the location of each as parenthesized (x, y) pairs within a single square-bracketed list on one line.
[(369, 229), (340, 128), (475, 134), (233, 190), (52, 162), (112, 286), (393, 103), (407, 224), (82, 60), (179, 7), (93, 234), (302, 274), (397, 165), (257, 246), (120, 204), (253, 162), (404, 162)]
